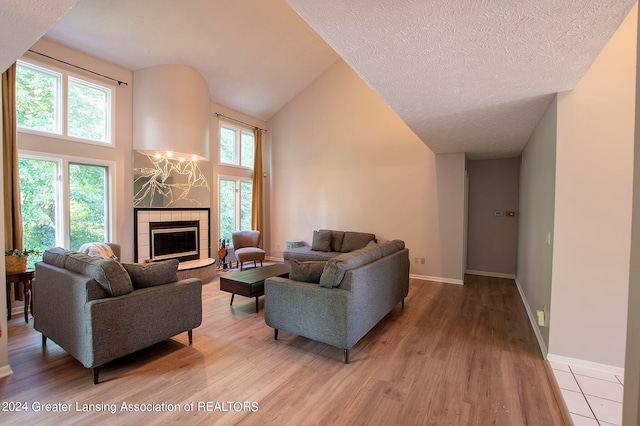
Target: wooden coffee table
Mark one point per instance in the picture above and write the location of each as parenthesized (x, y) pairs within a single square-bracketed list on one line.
[(250, 282)]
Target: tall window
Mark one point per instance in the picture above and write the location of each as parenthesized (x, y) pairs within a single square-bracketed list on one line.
[(236, 146), (52, 101), (235, 205), (63, 203)]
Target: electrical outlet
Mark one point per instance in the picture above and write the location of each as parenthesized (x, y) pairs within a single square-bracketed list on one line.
[(422, 260), (541, 319), (278, 247), (415, 260)]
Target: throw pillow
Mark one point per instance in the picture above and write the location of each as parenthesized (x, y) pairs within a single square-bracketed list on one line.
[(336, 240), (356, 240), (321, 240), (107, 272), (337, 267), (308, 272), (151, 274)]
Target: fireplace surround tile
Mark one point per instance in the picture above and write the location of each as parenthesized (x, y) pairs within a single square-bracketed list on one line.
[(144, 216)]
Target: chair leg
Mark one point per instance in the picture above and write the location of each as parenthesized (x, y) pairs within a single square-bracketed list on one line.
[(44, 340), (190, 334), (261, 263), (232, 296), (255, 265), (403, 303), (275, 334), (96, 372), (241, 265), (346, 356)]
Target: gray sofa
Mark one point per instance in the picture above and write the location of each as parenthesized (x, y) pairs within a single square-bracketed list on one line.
[(338, 301), (327, 243), (99, 309)]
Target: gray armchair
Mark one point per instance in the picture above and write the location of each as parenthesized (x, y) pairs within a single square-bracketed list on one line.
[(245, 246)]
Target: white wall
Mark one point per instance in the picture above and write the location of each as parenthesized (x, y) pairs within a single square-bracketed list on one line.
[(535, 224), (342, 159), (493, 240), (594, 175), (120, 154)]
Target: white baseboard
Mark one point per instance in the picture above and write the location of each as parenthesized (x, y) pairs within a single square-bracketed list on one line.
[(5, 371), (274, 259), (594, 366), (490, 274), (436, 279), (532, 320), (574, 362)]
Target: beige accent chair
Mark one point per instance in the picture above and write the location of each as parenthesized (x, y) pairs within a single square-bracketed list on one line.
[(245, 246)]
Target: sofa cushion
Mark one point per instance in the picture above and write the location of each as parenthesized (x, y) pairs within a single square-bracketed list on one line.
[(151, 274), (356, 240), (308, 272), (56, 256), (109, 273), (321, 240), (337, 237), (247, 254), (391, 246), (304, 254), (335, 268)]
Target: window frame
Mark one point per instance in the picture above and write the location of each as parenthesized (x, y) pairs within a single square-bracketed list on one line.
[(237, 154), (237, 201), (62, 192), (62, 104)]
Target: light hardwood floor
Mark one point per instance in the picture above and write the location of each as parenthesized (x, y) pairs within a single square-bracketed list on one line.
[(455, 355)]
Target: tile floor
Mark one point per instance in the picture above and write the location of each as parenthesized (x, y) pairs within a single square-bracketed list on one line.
[(593, 398)]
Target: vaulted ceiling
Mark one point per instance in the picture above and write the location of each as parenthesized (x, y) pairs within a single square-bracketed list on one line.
[(466, 75)]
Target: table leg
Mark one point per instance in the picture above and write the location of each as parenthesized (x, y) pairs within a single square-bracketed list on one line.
[(257, 304), (27, 298), (8, 301), (232, 296)]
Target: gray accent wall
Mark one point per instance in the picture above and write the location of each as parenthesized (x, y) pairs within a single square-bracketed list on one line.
[(493, 233), (535, 222), (631, 406)]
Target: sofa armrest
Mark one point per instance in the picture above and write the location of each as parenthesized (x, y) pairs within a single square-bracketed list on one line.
[(308, 310), (59, 298), (151, 315)]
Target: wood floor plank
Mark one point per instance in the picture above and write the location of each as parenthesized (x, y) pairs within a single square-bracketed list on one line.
[(455, 355)]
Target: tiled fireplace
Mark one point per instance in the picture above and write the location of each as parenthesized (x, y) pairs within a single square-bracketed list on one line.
[(162, 233)]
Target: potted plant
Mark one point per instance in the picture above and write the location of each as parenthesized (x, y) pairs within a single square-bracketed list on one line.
[(15, 260)]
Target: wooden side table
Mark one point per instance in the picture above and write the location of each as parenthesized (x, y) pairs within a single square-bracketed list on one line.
[(21, 277)]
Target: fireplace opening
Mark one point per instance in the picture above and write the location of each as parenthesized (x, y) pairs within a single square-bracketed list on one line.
[(174, 240)]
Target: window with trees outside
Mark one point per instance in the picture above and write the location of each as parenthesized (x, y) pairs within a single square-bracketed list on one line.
[(236, 146), (235, 205), (53, 101), (237, 149), (64, 203)]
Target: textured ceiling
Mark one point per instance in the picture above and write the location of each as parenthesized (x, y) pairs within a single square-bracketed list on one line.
[(255, 55), (467, 75), (23, 22)]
